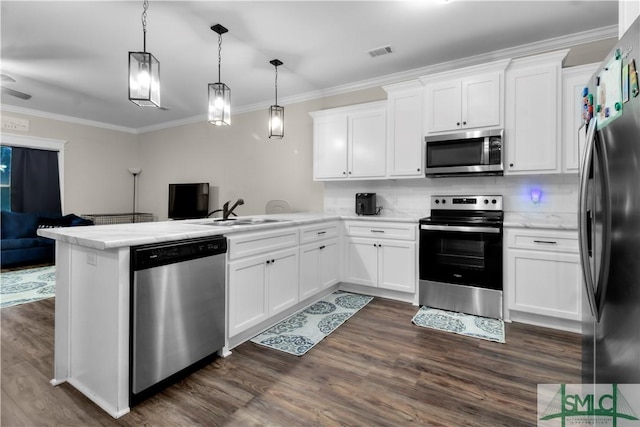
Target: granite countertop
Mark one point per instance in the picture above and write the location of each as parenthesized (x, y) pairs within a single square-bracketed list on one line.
[(124, 235), (554, 221)]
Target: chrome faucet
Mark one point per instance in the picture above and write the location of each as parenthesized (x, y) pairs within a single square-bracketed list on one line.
[(226, 211)]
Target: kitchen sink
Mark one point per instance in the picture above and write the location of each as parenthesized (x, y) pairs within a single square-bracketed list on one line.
[(242, 221)]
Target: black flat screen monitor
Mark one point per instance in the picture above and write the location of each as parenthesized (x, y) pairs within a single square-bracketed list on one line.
[(187, 201)]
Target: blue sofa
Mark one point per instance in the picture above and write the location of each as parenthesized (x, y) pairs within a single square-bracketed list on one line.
[(20, 245)]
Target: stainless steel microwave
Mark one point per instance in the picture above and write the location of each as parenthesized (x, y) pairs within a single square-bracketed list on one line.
[(465, 153)]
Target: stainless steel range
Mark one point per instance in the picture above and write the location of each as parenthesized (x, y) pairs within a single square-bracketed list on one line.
[(461, 255)]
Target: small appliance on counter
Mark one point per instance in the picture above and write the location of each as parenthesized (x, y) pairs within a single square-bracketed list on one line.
[(366, 204)]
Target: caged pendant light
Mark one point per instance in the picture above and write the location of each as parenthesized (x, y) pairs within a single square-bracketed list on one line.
[(276, 112), (219, 93), (144, 71)]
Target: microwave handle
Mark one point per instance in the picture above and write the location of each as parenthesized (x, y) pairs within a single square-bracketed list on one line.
[(484, 160)]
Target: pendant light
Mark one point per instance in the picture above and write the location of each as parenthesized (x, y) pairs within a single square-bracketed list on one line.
[(276, 112), (144, 71), (219, 93)]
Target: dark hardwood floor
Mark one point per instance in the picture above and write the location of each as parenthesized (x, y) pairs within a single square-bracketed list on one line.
[(377, 369)]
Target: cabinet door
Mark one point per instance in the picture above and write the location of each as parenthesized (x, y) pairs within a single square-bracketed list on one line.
[(531, 129), (309, 270), (444, 106), (247, 294), (329, 273), (405, 134), (362, 261), (330, 147), (282, 279), (367, 144), (547, 283), (397, 265), (481, 101), (573, 82)]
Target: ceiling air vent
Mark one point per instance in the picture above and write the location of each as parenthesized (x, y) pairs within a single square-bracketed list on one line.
[(380, 51)]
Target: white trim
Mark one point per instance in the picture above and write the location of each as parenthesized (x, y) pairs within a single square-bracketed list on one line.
[(40, 144), (534, 48)]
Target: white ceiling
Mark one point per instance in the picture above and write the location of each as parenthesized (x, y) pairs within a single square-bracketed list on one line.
[(72, 56)]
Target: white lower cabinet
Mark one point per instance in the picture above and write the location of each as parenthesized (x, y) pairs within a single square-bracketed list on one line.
[(319, 258), (262, 276), (319, 267), (380, 262), (543, 277)]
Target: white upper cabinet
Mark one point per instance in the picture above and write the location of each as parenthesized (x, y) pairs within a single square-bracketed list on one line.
[(574, 80), (405, 135), (350, 142), (532, 118), (465, 99)]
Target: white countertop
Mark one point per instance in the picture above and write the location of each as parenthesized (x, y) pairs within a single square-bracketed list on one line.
[(556, 221), (123, 235)]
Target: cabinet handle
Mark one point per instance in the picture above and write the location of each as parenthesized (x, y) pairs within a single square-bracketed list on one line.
[(375, 245), (418, 169), (268, 262), (273, 261), (344, 173), (322, 247), (464, 123), (321, 232), (457, 123), (377, 231), (510, 165), (349, 172), (546, 242)]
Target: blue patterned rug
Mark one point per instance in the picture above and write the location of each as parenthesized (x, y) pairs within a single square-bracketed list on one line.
[(30, 284), (298, 333), (460, 323)]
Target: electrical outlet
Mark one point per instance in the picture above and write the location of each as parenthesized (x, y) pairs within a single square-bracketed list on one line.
[(92, 258)]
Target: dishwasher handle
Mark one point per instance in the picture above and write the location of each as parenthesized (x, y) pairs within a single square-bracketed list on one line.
[(159, 254)]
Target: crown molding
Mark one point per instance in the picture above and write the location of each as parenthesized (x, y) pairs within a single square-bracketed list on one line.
[(529, 49)]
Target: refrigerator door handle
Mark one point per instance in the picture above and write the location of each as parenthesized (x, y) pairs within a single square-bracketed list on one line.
[(583, 218), (605, 256)]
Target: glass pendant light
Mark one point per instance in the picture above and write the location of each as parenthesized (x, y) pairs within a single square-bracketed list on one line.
[(219, 93), (276, 112), (144, 72)]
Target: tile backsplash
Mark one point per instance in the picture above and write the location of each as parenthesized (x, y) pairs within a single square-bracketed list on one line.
[(410, 197)]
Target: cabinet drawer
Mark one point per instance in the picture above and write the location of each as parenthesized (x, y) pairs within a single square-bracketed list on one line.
[(382, 230), (542, 240), (312, 233), (245, 244)]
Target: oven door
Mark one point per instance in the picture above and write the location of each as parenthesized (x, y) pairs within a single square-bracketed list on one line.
[(461, 255)]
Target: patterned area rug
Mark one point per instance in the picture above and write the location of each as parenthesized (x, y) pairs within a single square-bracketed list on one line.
[(30, 284), (460, 323), (298, 333)]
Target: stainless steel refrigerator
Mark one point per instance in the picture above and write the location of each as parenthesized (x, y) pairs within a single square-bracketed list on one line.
[(609, 218)]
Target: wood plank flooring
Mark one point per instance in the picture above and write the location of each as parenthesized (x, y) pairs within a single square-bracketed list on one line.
[(377, 369)]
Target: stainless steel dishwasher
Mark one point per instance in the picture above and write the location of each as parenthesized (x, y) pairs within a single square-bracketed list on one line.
[(177, 311)]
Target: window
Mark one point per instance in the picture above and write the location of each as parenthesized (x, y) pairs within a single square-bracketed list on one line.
[(5, 178)]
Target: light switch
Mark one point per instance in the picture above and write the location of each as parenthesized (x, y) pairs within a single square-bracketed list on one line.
[(92, 258)]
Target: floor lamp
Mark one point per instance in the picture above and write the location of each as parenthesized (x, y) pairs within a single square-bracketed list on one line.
[(135, 172)]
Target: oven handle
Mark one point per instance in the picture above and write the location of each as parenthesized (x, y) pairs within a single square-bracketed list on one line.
[(460, 228)]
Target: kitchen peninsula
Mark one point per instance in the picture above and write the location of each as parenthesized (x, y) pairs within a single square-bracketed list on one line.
[(92, 335)]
